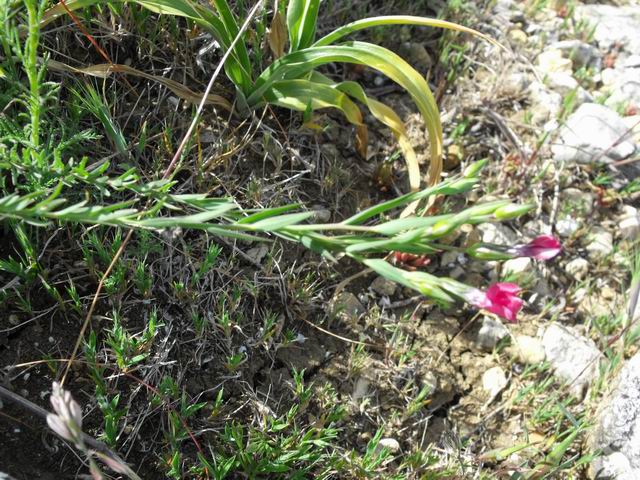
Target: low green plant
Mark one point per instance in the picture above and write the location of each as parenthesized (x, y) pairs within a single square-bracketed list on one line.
[(292, 81)]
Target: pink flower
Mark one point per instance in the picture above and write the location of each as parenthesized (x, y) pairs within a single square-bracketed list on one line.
[(500, 298), (545, 247)]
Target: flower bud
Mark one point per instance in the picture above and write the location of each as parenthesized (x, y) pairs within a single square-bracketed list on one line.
[(511, 211), (484, 251), (459, 186), (473, 169)]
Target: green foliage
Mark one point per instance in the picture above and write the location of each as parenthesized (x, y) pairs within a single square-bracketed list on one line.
[(290, 80)]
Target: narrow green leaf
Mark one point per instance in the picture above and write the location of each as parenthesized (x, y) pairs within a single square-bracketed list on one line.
[(279, 222), (295, 64), (302, 16), (397, 20)]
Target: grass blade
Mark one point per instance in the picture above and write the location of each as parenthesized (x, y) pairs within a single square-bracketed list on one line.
[(302, 16), (104, 70), (349, 28)]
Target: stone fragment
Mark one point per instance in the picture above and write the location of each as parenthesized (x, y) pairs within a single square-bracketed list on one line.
[(494, 380), (593, 133), (490, 333), (601, 244), (384, 287), (527, 349), (617, 430), (577, 268), (574, 358)]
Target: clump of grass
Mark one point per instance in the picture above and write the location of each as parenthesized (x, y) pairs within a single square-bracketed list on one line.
[(292, 81)]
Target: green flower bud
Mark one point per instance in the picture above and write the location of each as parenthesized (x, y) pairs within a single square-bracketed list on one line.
[(459, 186), (442, 227), (473, 169), (486, 208), (488, 252), (511, 211)]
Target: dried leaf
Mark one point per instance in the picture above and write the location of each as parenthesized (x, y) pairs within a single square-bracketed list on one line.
[(362, 140), (277, 35), (104, 70)]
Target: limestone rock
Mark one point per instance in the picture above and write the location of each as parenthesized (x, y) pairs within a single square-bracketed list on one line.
[(384, 287), (629, 223), (617, 430), (613, 25), (574, 358), (552, 60), (527, 349), (490, 333), (577, 268), (601, 244), (516, 266), (593, 133), (494, 380)]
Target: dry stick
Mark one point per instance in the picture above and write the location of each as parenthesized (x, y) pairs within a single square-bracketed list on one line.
[(166, 174)]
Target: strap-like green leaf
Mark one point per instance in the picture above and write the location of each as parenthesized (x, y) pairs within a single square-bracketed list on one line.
[(397, 20), (302, 16), (296, 64), (302, 94)]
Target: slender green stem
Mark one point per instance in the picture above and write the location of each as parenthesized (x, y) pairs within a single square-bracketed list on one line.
[(31, 68)]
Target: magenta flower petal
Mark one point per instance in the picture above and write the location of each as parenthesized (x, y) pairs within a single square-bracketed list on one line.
[(545, 247), (498, 288), (500, 298)]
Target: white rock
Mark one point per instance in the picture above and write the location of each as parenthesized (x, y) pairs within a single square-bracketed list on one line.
[(574, 359), (552, 60), (629, 224), (577, 268), (625, 90), (592, 133), (490, 333), (601, 244), (496, 233), (561, 82), (578, 201), (565, 84), (545, 104), (527, 349), (632, 61), (448, 259), (390, 444), (613, 25), (494, 380), (580, 53), (608, 76), (632, 122), (382, 286), (617, 429), (516, 266), (567, 226)]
